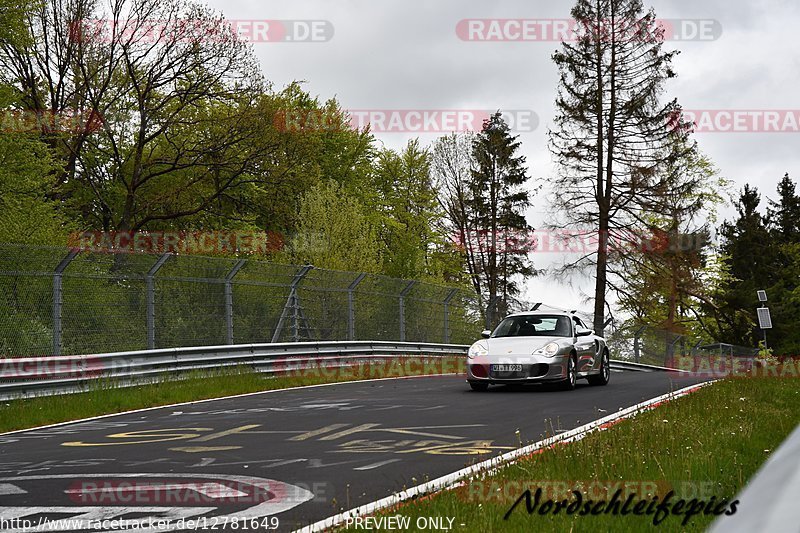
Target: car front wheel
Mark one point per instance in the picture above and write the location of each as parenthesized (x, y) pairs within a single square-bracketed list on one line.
[(605, 372), (572, 375), (480, 387)]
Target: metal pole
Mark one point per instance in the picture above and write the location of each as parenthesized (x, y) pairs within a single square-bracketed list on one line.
[(57, 299), (151, 300), (402, 309), (229, 299), (447, 301), (671, 350), (351, 307), (490, 311)]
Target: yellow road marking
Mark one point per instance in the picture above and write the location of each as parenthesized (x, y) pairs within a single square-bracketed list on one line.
[(212, 436), (200, 449)]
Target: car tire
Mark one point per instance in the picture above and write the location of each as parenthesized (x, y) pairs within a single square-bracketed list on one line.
[(605, 372), (478, 387), (572, 374)]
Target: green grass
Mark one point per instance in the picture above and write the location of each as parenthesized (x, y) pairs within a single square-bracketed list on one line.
[(710, 442), (103, 397)]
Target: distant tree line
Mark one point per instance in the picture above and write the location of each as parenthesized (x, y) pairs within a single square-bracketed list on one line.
[(183, 132)]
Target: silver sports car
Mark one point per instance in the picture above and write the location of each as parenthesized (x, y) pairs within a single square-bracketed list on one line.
[(536, 347)]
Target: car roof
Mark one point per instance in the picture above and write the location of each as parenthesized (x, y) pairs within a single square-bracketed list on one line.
[(543, 313)]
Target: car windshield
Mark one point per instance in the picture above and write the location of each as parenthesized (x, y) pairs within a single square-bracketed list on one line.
[(534, 326)]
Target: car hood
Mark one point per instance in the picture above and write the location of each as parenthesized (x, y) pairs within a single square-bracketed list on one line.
[(521, 345)]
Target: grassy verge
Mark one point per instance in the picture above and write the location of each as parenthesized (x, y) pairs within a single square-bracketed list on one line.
[(704, 445), (103, 397)]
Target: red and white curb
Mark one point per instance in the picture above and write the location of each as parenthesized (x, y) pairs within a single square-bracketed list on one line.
[(485, 467)]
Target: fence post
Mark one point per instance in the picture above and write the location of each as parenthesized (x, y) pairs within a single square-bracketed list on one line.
[(229, 299), (491, 309), (669, 356), (447, 300), (151, 301), (402, 309), (351, 308), (636, 349), (57, 299)]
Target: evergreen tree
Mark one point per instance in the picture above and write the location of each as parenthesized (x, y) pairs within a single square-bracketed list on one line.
[(611, 138), (495, 205), (784, 215), (750, 252)]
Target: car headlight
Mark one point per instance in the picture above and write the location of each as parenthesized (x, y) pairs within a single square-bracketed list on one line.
[(478, 349), (549, 349)]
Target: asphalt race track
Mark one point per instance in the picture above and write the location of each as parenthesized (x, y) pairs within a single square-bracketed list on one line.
[(297, 455)]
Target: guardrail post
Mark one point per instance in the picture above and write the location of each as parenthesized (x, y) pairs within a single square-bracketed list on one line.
[(58, 299), (402, 309), (229, 299), (447, 300), (292, 302), (151, 301), (351, 308)]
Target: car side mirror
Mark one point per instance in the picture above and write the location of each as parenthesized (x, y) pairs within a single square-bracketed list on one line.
[(583, 332), (486, 333)]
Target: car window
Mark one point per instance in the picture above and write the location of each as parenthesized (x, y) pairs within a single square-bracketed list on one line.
[(534, 326)]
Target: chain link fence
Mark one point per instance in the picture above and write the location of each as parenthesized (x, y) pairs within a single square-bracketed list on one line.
[(648, 345), (56, 301)]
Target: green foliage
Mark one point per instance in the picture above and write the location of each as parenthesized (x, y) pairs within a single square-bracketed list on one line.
[(406, 204), (26, 176), (335, 232)]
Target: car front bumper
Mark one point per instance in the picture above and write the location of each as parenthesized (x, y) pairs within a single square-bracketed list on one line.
[(535, 369)]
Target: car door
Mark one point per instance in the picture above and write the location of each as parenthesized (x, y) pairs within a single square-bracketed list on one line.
[(585, 348)]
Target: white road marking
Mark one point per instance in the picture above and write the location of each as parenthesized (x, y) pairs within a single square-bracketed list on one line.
[(318, 432), (291, 496), (8, 488), (376, 465), (210, 489)]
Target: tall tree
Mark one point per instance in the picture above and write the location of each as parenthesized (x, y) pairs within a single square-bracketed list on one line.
[(750, 252), (611, 135), (662, 281), (784, 215), (407, 206), (495, 206), (452, 162)]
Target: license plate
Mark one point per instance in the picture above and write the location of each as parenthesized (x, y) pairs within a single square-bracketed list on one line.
[(506, 368)]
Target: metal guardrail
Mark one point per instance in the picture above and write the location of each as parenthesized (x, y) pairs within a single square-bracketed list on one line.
[(21, 377), (24, 377)]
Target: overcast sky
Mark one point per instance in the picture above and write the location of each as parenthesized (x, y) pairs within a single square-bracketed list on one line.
[(406, 54)]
